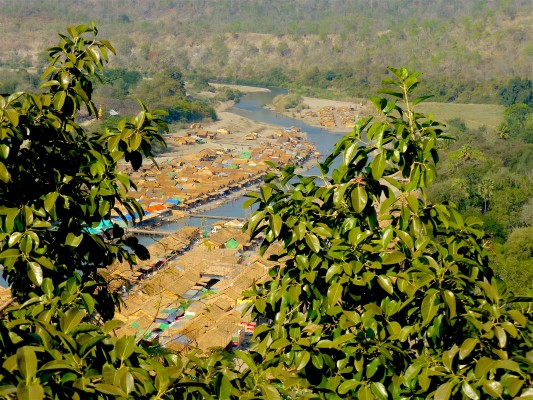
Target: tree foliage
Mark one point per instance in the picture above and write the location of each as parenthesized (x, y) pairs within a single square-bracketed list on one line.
[(382, 294), (57, 180), (517, 90)]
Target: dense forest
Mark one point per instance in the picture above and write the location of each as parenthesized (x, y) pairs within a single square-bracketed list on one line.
[(467, 49)]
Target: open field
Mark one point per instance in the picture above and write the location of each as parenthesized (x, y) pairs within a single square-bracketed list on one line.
[(474, 115)]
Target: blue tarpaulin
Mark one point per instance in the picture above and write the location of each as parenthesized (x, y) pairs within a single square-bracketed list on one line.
[(104, 225)]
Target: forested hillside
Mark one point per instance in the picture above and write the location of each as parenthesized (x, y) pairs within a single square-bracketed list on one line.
[(467, 48)]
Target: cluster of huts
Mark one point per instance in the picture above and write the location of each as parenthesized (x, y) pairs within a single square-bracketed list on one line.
[(195, 300), (188, 181), (330, 116), (196, 134)]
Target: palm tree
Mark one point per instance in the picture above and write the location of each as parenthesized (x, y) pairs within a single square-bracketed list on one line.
[(485, 191), (503, 131)]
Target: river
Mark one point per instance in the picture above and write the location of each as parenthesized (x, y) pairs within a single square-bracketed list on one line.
[(252, 106)]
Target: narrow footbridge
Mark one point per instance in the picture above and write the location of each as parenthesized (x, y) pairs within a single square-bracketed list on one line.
[(221, 217)]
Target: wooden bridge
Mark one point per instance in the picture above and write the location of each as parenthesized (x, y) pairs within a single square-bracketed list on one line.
[(221, 217), (148, 232)]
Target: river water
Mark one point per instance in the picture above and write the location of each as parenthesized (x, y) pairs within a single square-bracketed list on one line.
[(252, 106)]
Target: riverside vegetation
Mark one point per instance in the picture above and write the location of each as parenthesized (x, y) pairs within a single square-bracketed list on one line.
[(378, 292)]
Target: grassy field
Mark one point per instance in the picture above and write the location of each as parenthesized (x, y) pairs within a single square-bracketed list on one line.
[(474, 115)]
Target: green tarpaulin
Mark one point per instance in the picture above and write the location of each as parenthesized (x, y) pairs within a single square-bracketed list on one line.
[(232, 244), (162, 326)]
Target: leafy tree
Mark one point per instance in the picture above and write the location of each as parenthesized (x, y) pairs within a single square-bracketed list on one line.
[(378, 292), (503, 131), (485, 190), (519, 119), (57, 180), (517, 90), (515, 263)]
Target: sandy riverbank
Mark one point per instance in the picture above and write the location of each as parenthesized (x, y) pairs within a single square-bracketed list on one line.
[(241, 88)]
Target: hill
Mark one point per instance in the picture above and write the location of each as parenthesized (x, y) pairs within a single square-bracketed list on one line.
[(466, 48)]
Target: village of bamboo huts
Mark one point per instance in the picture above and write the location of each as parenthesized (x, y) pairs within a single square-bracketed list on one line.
[(189, 294), (176, 186)]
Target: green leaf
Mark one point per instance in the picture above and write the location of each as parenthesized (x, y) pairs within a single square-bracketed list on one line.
[(364, 393), (112, 325), (516, 315), (514, 385), (89, 344), (59, 100), (493, 388), (379, 390), (467, 347), (347, 386), (359, 198), (50, 200), (393, 258), (378, 165), (9, 253), (32, 391), (89, 302), (502, 336), (334, 294), (302, 359), (429, 308), (113, 142), (13, 116), (385, 283), (470, 392), (275, 224), (108, 45), (225, 388), (4, 173), (483, 365), (110, 389), (313, 242), (420, 99), (412, 202), (333, 270), (372, 367), (269, 391), (35, 273), (73, 240), (27, 362), (444, 391), (125, 347), (135, 141), (244, 356), (449, 298), (71, 319), (58, 365)]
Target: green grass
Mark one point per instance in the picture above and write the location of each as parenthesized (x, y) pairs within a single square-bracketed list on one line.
[(473, 115)]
